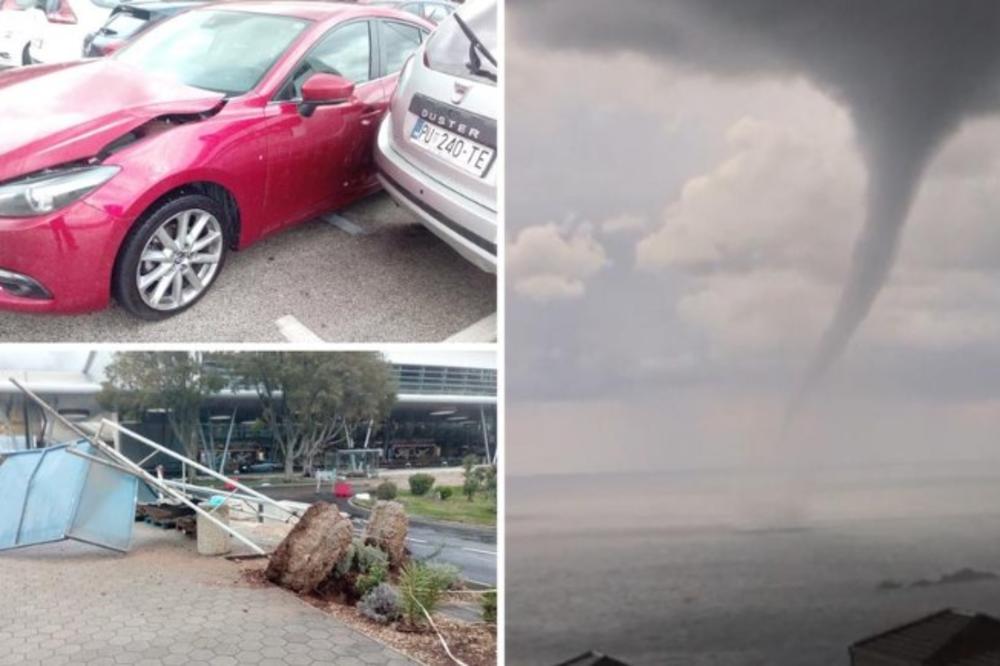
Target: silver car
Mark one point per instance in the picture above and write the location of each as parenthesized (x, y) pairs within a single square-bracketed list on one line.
[(437, 147)]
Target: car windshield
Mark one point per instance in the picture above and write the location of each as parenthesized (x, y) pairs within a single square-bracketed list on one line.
[(222, 51), (123, 24), (449, 50)]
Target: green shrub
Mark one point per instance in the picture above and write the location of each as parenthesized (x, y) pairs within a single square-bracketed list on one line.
[(489, 606), (362, 568), (366, 582), (381, 604), (386, 490), (470, 487), (447, 576), (346, 563), (488, 479), (420, 484), (444, 492), (369, 557), (418, 587)]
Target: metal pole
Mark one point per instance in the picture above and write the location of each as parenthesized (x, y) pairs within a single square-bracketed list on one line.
[(150, 479), (27, 423), (486, 433), (198, 466), (229, 438), (59, 417), (100, 461), (138, 471), (163, 487), (368, 434)]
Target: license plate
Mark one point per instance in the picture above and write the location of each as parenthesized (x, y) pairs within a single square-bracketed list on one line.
[(464, 153)]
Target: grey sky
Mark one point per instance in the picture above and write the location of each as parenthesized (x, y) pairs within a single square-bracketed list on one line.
[(38, 358), (688, 184)]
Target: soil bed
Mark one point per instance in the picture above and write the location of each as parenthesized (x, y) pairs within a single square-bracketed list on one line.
[(473, 643)]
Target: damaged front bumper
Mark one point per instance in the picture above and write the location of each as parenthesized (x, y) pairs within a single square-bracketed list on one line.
[(58, 263)]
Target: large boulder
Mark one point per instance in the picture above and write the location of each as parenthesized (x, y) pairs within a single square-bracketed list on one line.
[(387, 527), (310, 551)]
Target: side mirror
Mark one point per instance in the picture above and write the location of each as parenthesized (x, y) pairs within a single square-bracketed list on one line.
[(322, 89)]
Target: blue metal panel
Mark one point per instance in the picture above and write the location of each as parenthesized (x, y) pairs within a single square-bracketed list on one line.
[(52, 496), (49, 494), (105, 514), (15, 475)]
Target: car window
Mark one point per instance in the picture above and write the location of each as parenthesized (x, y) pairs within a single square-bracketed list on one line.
[(412, 8), (436, 13), (225, 51), (346, 52), (123, 25), (448, 48), (399, 40)]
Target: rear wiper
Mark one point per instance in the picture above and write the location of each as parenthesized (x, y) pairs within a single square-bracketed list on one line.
[(476, 47)]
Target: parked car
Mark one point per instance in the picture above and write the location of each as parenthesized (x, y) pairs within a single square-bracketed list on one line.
[(134, 175), (262, 468), (67, 25), (437, 148), (128, 20), (17, 25), (434, 11)]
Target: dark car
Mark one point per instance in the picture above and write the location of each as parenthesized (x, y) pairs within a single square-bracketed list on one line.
[(128, 20), (434, 11), (261, 468)]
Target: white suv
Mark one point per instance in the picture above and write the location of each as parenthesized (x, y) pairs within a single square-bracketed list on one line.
[(19, 21), (437, 150), (69, 23)]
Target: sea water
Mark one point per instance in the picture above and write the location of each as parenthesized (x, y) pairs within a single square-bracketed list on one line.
[(734, 568)]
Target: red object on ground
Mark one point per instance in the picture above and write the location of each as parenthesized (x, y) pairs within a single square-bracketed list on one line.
[(343, 489), (229, 485)]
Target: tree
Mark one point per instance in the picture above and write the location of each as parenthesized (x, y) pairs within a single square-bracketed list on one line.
[(310, 397), (176, 382)]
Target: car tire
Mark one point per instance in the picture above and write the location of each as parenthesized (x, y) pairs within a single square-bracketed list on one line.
[(134, 269)]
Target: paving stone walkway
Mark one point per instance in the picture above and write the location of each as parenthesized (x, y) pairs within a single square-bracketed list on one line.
[(162, 604)]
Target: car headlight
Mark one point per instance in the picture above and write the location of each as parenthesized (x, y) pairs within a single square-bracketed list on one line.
[(52, 191)]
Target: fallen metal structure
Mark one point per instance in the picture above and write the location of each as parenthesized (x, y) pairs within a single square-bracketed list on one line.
[(49, 495), (87, 490)]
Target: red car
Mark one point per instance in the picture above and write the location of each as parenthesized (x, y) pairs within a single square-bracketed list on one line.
[(133, 176)]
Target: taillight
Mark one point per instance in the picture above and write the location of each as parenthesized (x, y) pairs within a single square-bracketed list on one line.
[(62, 13), (401, 80)]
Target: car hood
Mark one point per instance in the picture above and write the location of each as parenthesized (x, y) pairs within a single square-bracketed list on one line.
[(52, 115)]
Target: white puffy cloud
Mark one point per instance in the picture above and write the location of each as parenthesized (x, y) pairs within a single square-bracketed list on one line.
[(546, 262), (762, 241)]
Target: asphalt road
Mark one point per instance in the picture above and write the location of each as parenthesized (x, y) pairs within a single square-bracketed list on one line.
[(475, 559), (381, 277), (474, 552)]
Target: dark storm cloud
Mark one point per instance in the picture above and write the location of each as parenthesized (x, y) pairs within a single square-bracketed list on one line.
[(909, 71)]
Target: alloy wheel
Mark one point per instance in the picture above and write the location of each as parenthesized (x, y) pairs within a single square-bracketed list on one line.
[(180, 260)]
